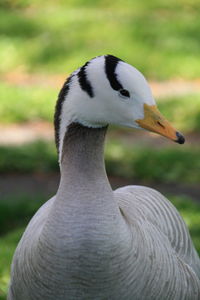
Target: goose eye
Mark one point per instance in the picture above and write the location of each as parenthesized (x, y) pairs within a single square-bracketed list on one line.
[(124, 93)]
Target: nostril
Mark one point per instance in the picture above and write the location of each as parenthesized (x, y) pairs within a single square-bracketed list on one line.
[(160, 124), (180, 138)]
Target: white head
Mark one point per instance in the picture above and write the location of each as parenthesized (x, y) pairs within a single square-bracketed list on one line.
[(106, 90)]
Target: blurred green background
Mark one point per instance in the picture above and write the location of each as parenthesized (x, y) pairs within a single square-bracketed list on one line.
[(41, 42)]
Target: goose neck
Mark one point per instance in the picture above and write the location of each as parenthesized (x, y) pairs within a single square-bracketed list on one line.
[(82, 160)]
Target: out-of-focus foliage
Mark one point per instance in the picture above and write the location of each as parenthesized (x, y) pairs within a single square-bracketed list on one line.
[(16, 211), (160, 38), (184, 111), (35, 157), (29, 103), (146, 164)]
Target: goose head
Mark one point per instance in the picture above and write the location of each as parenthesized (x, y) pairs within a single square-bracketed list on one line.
[(107, 90)]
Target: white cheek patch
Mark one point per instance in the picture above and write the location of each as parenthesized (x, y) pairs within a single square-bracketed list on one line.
[(138, 111), (135, 83)]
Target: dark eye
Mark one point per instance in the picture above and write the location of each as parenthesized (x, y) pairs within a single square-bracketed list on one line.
[(124, 93)]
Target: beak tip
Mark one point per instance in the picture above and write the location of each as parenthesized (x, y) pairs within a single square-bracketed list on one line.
[(180, 138)]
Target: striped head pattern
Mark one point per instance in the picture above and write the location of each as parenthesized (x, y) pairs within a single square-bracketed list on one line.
[(106, 90)]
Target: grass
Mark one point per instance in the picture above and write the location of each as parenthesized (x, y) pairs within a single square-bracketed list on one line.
[(17, 211), (27, 103), (32, 103), (188, 209), (184, 111), (167, 165), (28, 158), (160, 38), (8, 244)]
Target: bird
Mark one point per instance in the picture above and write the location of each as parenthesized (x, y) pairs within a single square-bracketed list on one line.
[(92, 242)]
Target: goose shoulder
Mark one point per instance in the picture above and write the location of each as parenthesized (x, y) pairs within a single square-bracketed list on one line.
[(34, 228), (158, 213)]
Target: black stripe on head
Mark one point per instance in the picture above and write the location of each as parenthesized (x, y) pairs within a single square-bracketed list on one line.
[(111, 63), (61, 97), (84, 82)]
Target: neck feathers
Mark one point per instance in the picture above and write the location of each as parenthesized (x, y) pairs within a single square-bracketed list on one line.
[(83, 147)]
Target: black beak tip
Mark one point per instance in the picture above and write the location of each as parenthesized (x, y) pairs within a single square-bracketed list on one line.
[(180, 138)]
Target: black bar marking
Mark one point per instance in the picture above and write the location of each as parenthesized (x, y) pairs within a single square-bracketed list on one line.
[(61, 97), (111, 63), (84, 82)]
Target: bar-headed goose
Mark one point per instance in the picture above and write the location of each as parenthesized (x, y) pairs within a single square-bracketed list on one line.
[(88, 241)]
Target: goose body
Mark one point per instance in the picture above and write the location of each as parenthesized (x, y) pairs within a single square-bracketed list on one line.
[(88, 241)]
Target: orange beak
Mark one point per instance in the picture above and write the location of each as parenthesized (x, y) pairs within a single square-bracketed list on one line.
[(154, 121)]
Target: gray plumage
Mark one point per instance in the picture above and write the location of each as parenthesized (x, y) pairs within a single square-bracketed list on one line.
[(89, 242)]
